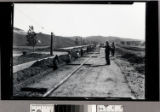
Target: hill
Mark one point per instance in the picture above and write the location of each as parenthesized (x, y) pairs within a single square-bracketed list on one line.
[(59, 41), (102, 39), (44, 39), (117, 40)]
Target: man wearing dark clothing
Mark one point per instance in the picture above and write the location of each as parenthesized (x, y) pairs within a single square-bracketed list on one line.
[(107, 53), (81, 52), (112, 49)]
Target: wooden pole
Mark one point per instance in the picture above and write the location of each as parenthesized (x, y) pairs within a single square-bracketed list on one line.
[(51, 46)]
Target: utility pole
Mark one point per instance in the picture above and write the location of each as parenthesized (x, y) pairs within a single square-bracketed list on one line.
[(51, 46)]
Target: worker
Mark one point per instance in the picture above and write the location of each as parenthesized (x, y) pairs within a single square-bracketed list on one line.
[(55, 63), (112, 49), (107, 53), (81, 52)]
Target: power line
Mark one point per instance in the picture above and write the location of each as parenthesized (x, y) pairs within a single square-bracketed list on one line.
[(31, 19)]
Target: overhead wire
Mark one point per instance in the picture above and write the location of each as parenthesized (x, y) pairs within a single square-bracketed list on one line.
[(31, 19)]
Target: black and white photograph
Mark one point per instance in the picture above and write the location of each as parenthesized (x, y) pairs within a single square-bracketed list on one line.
[(79, 50)]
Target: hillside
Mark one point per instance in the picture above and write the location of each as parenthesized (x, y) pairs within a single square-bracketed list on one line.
[(117, 40), (102, 39), (20, 40), (59, 41)]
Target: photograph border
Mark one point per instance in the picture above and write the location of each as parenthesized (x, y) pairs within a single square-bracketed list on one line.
[(151, 59)]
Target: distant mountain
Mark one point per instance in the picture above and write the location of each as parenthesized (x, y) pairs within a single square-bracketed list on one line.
[(117, 40), (17, 29), (102, 39)]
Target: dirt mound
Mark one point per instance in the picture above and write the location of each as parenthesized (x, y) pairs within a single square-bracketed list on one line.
[(28, 57), (43, 63), (39, 66), (26, 73)]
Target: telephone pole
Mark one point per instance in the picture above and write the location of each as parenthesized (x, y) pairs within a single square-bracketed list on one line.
[(51, 46)]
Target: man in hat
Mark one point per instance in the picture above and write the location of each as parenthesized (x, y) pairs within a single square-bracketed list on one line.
[(107, 53)]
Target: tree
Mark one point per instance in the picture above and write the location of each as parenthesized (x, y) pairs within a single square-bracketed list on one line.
[(31, 37)]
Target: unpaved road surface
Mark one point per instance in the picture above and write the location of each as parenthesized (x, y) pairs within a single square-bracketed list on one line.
[(95, 79)]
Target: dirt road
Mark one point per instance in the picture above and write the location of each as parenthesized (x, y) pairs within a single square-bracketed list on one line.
[(95, 79)]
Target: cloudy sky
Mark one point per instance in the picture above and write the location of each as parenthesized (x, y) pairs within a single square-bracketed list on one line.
[(126, 21)]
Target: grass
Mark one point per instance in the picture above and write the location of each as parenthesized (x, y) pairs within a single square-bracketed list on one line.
[(133, 48), (132, 63), (135, 56)]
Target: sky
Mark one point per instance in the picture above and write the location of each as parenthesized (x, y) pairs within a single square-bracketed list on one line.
[(126, 21)]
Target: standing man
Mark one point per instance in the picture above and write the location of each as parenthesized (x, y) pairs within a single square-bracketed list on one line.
[(81, 51), (107, 53), (112, 49)]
